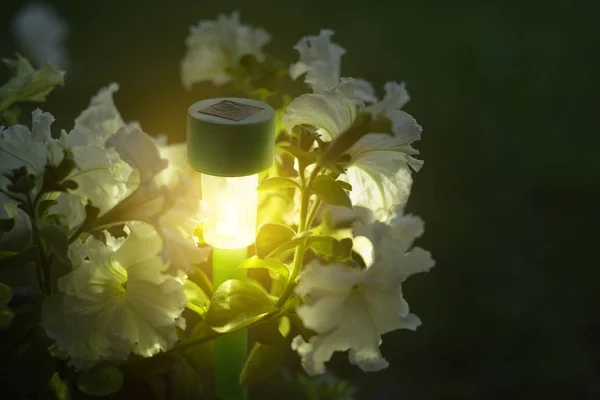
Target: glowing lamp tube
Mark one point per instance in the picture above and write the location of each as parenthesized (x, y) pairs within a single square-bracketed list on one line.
[(232, 206)]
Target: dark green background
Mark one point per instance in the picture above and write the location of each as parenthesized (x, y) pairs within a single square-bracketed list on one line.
[(508, 96)]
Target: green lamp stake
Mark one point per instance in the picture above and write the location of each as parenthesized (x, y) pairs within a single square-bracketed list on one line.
[(230, 140)]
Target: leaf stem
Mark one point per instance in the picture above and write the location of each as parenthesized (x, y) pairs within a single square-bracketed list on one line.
[(207, 338), (304, 224), (313, 213), (43, 265)]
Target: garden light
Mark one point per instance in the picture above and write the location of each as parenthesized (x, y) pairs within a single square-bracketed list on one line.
[(229, 141)]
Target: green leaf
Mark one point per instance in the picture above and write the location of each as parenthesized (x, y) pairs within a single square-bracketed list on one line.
[(100, 381), (5, 293), (187, 384), (199, 234), (6, 225), (44, 207), (143, 367), (200, 278), (330, 191), (326, 227), (57, 241), (6, 317), (304, 331), (10, 116), (271, 264), (331, 248), (7, 254), (27, 84), (323, 245), (271, 236), (267, 332), (59, 388), (54, 176), (70, 185), (201, 355), (26, 320), (237, 304), (284, 326), (91, 215), (158, 386), (290, 244), (305, 157), (197, 300), (31, 364), (25, 257), (21, 181), (343, 142), (344, 185), (263, 361), (277, 183)]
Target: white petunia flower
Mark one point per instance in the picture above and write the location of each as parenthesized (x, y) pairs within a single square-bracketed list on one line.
[(351, 308), (41, 34), (31, 148), (102, 176), (70, 210), (99, 121), (332, 111), (320, 60), (215, 46), (379, 169), (186, 210), (117, 300), (165, 197), (396, 97)]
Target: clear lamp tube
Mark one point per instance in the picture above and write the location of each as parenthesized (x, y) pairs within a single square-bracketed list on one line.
[(232, 208)]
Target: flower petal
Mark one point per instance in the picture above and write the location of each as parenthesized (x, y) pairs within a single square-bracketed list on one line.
[(99, 121), (395, 98), (333, 111), (379, 171), (215, 46), (321, 59)]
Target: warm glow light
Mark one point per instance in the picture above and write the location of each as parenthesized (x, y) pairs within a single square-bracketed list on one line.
[(232, 205)]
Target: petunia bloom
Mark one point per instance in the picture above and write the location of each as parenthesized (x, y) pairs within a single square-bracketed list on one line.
[(215, 46), (380, 161), (117, 300), (351, 308), (32, 148)]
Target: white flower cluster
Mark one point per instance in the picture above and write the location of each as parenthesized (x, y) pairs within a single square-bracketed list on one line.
[(125, 294), (349, 308), (215, 46), (122, 296)]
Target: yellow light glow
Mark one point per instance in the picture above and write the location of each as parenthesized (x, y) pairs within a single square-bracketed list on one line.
[(232, 203)]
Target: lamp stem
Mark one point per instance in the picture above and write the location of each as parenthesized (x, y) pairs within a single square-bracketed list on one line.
[(231, 349)]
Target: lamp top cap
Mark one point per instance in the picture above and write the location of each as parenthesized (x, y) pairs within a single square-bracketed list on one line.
[(230, 136)]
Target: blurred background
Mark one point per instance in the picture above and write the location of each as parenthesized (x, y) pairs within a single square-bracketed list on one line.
[(508, 95)]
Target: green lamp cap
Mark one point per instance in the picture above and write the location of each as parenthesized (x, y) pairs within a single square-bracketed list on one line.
[(230, 136)]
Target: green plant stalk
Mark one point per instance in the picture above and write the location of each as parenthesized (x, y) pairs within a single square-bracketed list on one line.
[(313, 213), (304, 225), (44, 270), (38, 265)]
